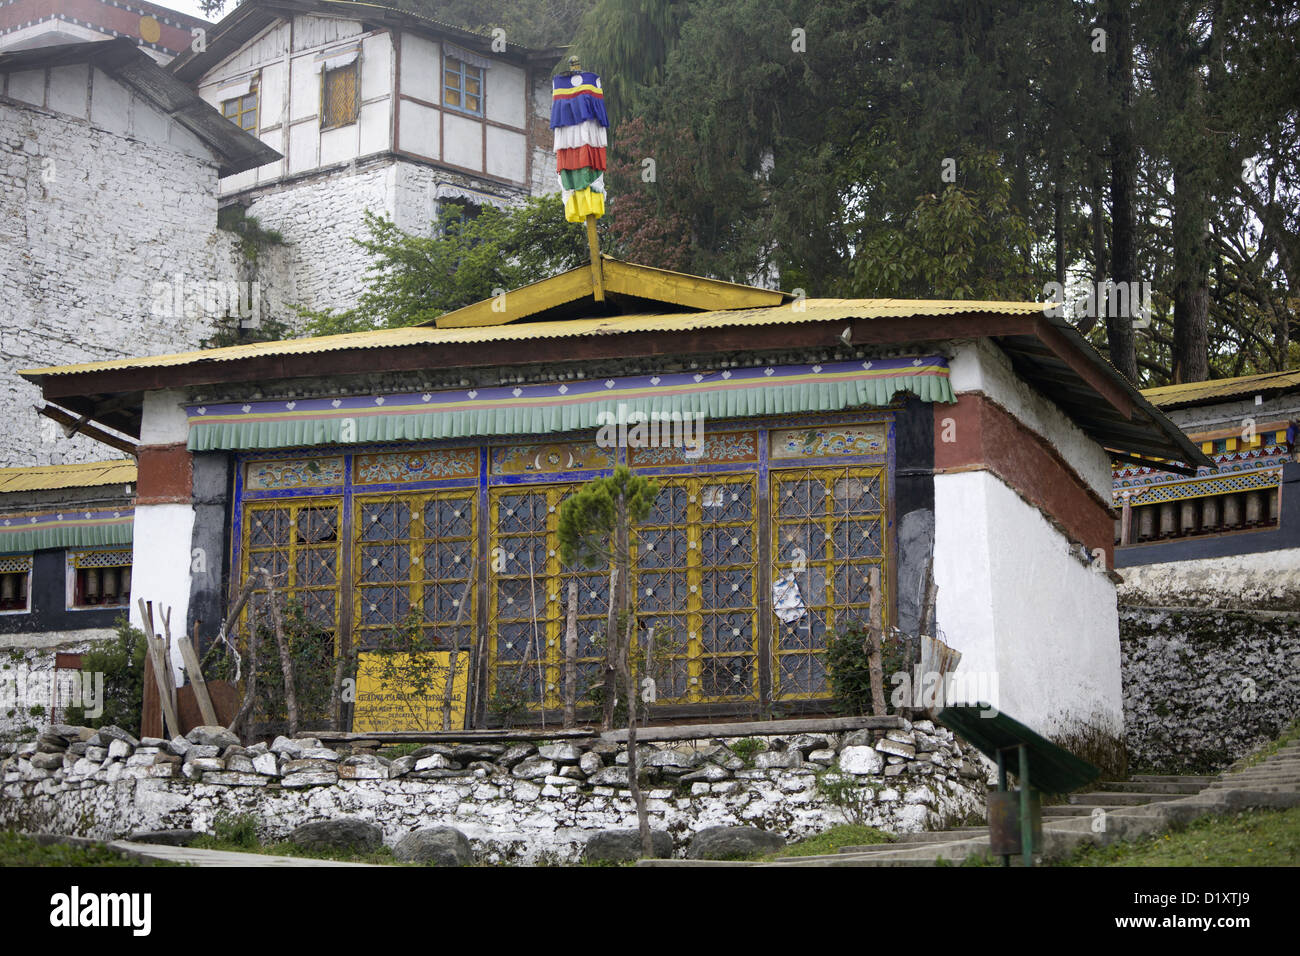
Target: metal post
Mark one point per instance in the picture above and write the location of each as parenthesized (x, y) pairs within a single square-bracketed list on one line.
[(1002, 788), (1026, 821)]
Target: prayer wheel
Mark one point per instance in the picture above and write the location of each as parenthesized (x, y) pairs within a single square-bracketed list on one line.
[(1187, 517), (1210, 514), (1232, 512), (1146, 523), (1168, 521), (1254, 508)]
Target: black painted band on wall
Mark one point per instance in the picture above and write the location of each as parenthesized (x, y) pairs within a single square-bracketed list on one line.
[(1285, 535), (49, 602)]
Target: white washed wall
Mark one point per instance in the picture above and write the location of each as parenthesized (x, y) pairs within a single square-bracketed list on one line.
[(101, 197)]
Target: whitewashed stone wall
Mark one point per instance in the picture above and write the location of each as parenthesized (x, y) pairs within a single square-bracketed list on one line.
[(520, 803), (31, 695), (1203, 687), (99, 202)]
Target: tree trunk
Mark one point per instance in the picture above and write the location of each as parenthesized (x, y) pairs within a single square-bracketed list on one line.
[(570, 657), (1123, 189), (633, 768), (286, 658), (875, 663)]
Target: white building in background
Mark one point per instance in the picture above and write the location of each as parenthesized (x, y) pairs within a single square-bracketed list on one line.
[(371, 109), (109, 170)]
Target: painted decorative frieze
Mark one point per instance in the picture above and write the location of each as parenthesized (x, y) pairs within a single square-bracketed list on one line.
[(405, 467), (282, 473), (829, 440)]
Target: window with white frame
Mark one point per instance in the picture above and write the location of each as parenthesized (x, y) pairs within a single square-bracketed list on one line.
[(15, 583), (99, 578)]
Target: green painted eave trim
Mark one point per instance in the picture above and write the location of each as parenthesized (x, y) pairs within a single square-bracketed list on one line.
[(534, 420)]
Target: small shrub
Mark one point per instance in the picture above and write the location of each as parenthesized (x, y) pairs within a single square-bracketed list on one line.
[(846, 793), (236, 829), (746, 749), (121, 660)]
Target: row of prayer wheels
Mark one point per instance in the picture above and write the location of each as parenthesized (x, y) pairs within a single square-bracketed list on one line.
[(1196, 516), (13, 590), (106, 585)]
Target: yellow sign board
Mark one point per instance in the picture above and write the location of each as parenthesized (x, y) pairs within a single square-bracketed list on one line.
[(394, 704)]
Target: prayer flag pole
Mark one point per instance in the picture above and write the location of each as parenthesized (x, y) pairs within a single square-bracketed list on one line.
[(580, 123)]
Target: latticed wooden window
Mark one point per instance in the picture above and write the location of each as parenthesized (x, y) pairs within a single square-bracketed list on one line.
[(340, 96), (412, 567), (527, 591), (828, 532), (242, 110), (695, 584), (299, 544), (462, 86)]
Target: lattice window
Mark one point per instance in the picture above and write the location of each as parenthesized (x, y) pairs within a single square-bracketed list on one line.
[(412, 566), (526, 597), (340, 96), (695, 584), (299, 545), (828, 531), (99, 578)]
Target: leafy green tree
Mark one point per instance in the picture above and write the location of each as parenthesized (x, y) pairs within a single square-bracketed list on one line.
[(413, 279), (596, 529)]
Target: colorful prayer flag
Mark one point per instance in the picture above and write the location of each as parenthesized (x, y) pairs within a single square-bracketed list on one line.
[(581, 141)]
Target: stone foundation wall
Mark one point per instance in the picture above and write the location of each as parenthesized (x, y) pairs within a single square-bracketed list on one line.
[(1204, 687), (519, 803)]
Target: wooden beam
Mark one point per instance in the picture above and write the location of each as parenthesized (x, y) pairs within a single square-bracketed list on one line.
[(84, 427), (696, 292), (1071, 355), (520, 303), (758, 728), (569, 349), (450, 736)]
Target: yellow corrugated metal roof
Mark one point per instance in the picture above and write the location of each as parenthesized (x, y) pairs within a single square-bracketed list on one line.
[(85, 475), (1190, 393), (808, 310)]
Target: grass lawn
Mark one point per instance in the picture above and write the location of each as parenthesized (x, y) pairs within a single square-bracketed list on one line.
[(19, 850), (1254, 838), (382, 856), (829, 841)]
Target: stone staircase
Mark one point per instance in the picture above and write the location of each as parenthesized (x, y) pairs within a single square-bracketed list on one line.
[(1144, 804)]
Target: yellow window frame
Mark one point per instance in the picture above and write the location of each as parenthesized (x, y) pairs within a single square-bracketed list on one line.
[(418, 540), (835, 611)]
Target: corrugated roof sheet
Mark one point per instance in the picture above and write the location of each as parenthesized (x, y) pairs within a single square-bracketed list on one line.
[(1219, 389), (50, 477), (813, 310)]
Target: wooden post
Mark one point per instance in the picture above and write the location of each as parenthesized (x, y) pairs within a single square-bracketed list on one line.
[(195, 672), (162, 671), (1126, 520), (449, 683), (570, 657), (875, 660), (597, 275)]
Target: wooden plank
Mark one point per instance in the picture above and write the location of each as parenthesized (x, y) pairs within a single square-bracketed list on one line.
[(161, 670), (519, 303), (195, 672), (451, 736), (759, 728), (695, 292)]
